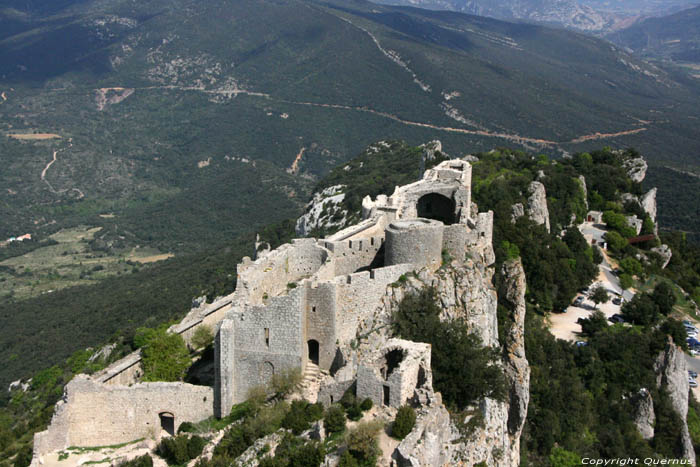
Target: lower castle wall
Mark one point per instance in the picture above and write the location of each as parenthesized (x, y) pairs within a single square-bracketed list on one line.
[(454, 240), (95, 414)]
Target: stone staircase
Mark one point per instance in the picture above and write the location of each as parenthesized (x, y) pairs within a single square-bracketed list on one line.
[(311, 382)]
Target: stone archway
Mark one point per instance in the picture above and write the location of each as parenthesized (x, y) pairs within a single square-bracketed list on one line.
[(313, 351), (167, 422), (438, 207), (267, 371)]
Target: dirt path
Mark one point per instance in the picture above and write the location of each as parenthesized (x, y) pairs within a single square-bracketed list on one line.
[(53, 160), (3, 96), (294, 168), (596, 136)]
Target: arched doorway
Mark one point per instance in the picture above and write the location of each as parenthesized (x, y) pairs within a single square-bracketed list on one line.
[(267, 371), (167, 422), (313, 351), (438, 207)]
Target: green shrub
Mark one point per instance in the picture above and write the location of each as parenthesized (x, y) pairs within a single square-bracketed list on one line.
[(366, 404), (563, 458), (347, 460), (285, 381), (143, 461), (164, 356), (180, 449), (334, 419), (294, 451), (300, 416), (404, 422), (354, 412), (362, 442), (203, 337), (186, 427), (626, 281)]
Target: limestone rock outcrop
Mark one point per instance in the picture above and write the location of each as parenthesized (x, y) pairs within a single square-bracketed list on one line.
[(664, 251), (323, 211), (644, 416), (582, 182), (515, 362), (537, 204), (672, 374), (636, 169), (648, 202), (430, 148), (516, 211)]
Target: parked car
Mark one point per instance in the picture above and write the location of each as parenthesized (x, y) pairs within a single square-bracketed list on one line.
[(691, 329), (692, 342), (694, 352), (617, 301), (585, 290), (692, 382), (693, 374), (580, 320), (617, 318), (692, 334), (687, 323), (583, 344)]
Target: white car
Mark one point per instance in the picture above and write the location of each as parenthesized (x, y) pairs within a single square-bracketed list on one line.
[(692, 382), (692, 333), (691, 329), (694, 352)]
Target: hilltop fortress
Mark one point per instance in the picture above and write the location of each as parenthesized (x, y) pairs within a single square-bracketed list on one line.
[(302, 306)]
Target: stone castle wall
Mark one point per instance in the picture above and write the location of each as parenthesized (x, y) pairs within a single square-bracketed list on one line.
[(359, 295), (93, 413), (269, 275)]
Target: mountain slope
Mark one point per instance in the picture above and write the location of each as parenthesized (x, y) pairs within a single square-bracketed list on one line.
[(169, 105), (675, 37)]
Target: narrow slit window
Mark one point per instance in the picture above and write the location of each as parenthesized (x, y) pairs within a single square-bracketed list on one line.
[(267, 337)]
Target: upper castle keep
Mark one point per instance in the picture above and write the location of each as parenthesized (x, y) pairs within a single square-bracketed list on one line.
[(296, 306)]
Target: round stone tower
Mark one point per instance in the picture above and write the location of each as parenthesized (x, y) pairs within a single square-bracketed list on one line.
[(417, 241)]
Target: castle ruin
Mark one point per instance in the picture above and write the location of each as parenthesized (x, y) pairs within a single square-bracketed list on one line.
[(296, 307)]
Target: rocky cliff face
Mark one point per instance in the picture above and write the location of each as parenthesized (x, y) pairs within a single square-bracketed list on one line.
[(636, 169), (648, 202), (537, 204), (644, 416), (672, 374), (323, 211), (464, 290)]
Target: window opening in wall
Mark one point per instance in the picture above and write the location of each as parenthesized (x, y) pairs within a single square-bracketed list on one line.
[(438, 207), (313, 308), (371, 241), (393, 359), (167, 422), (267, 337), (313, 351), (386, 395)]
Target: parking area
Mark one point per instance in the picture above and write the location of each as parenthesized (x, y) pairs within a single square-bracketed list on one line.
[(565, 325)]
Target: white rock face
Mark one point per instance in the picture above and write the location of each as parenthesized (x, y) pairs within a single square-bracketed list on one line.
[(582, 181), (644, 416), (537, 204), (517, 211), (636, 169), (323, 211), (672, 373), (648, 202), (665, 252)]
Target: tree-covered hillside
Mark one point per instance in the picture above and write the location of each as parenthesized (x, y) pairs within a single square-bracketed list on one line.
[(147, 117)]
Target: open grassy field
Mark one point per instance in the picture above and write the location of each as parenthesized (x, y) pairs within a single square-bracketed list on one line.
[(68, 263)]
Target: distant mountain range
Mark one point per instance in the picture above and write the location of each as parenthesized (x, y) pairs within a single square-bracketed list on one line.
[(675, 37), (585, 15), (178, 124)]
